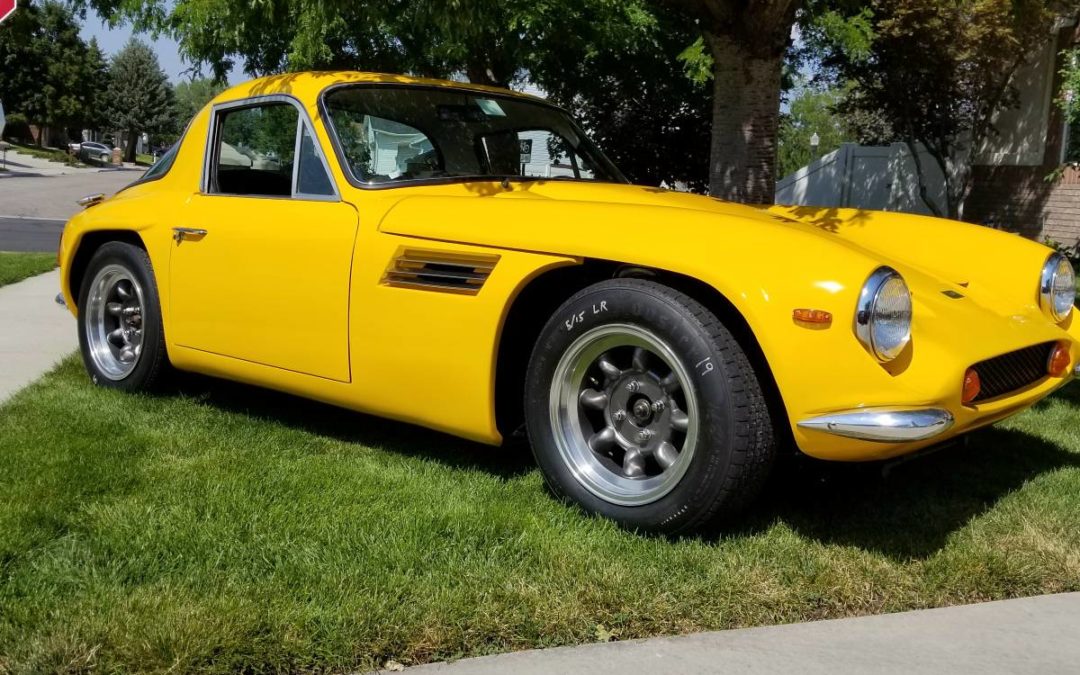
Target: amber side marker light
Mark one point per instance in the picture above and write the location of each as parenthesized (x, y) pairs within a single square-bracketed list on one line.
[(815, 316), (1058, 364), (972, 386)]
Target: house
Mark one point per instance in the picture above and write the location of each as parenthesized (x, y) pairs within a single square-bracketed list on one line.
[(1027, 179)]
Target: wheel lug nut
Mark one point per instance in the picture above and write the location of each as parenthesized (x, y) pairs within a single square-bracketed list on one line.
[(633, 385), (658, 407), (619, 415), (644, 435)]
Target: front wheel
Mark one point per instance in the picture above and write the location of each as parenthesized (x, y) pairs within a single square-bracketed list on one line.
[(121, 336), (643, 408)]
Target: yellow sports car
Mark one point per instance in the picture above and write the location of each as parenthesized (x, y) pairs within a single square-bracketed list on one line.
[(464, 258)]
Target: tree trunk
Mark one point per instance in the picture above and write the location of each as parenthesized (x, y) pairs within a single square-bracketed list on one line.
[(920, 176), (959, 187), (133, 139), (745, 119)]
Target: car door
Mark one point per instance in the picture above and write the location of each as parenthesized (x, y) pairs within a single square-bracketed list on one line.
[(262, 256)]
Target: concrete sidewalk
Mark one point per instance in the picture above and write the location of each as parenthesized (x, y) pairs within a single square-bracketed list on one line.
[(1029, 635), (35, 332)]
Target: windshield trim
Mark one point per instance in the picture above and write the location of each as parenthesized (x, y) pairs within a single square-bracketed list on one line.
[(328, 123)]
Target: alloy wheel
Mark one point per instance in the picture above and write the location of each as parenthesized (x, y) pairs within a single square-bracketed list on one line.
[(114, 321), (625, 414)]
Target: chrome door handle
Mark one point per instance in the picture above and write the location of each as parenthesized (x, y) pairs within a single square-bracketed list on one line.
[(182, 233)]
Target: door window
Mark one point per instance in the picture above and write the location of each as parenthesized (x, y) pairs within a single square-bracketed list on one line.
[(255, 154)]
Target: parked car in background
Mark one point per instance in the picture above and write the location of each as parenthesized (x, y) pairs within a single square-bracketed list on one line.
[(403, 247), (73, 148), (92, 151)]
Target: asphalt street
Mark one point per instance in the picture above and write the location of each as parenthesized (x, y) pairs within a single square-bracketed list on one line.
[(29, 234)]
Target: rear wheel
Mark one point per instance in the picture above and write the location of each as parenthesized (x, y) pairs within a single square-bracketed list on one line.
[(643, 408), (120, 331)]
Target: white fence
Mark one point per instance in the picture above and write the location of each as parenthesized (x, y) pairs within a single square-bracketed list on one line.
[(881, 178)]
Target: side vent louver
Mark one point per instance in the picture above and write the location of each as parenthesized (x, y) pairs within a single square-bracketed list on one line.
[(440, 270)]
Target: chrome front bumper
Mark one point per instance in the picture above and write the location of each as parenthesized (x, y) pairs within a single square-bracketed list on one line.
[(884, 425)]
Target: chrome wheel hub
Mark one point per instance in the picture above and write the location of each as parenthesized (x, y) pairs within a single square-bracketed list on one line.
[(114, 328), (624, 413)]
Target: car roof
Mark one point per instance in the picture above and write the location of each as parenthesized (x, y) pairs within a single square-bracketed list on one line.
[(308, 85)]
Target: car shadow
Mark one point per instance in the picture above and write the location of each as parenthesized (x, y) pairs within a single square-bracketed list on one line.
[(904, 510), (510, 461)]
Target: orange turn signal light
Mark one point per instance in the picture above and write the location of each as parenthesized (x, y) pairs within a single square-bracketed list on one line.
[(972, 386), (817, 316), (1059, 361)]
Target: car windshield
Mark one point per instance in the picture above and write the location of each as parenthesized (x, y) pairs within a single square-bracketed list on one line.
[(393, 134)]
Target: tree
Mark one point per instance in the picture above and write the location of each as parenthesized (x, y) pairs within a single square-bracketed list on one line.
[(626, 85), (812, 111), (937, 72), (139, 97), (50, 75), (188, 99), (746, 41), (95, 73)]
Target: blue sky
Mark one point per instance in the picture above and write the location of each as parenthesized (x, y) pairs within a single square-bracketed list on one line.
[(113, 40)]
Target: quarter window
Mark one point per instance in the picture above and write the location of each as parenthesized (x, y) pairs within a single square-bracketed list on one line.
[(311, 179)]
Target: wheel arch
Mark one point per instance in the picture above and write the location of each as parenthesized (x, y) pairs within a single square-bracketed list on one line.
[(538, 300), (88, 244)]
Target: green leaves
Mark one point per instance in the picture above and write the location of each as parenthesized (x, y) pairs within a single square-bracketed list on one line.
[(138, 97), (812, 111), (852, 35), (697, 62), (48, 73)]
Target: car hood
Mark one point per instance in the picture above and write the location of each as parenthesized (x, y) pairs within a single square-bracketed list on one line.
[(906, 239)]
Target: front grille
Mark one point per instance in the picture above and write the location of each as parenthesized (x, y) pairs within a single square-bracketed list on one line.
[(1010, 372)]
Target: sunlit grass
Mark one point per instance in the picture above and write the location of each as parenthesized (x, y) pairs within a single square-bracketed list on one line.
[(226, 529), (18, 266)]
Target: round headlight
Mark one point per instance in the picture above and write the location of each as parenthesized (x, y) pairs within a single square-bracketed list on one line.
[(883, 319), (1057, 290)]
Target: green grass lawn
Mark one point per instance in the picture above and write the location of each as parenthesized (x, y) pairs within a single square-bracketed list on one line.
[(224, 528), (18, 266)]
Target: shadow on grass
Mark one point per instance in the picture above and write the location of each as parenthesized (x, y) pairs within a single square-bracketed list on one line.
[(905, 513), (910, 511), (510, 461)]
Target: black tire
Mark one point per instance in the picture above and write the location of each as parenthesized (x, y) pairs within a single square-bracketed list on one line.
[(151, 369), (734, 448)]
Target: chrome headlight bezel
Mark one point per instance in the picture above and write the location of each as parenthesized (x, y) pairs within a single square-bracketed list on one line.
[(866, 315), (1048, 282)]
